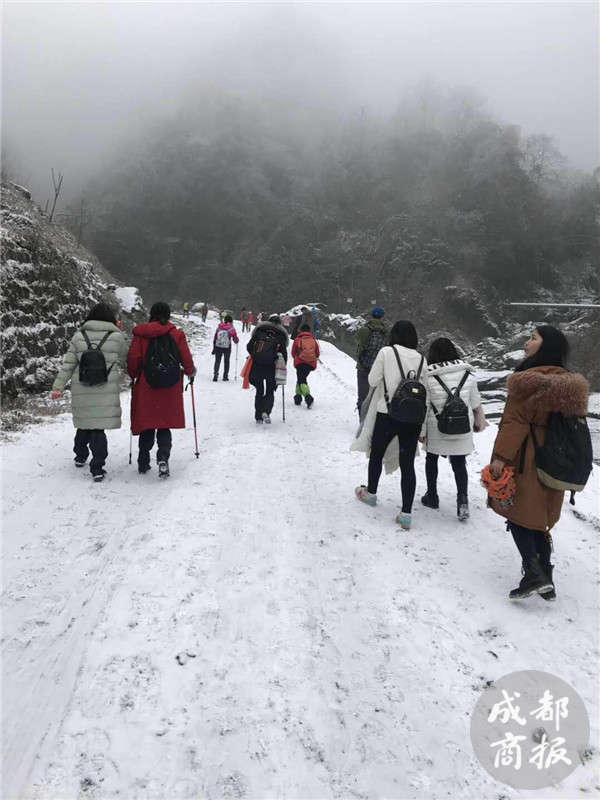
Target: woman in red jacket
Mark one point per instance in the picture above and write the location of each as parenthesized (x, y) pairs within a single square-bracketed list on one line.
[(156, 408), (305, 352)]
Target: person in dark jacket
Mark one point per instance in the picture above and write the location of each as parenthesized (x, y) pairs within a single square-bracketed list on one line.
[(306, 317), (155, 411), (369, 341), (267, 341), (540, 385)]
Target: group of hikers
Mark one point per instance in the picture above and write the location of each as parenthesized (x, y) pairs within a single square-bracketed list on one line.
[(403, 398)]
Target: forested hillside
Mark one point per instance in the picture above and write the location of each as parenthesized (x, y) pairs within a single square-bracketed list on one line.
[(246, 203)]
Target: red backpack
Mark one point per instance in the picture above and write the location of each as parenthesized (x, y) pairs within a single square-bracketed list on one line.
[(307, 350)]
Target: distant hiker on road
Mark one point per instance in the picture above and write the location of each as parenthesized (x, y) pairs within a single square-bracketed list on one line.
[(394, 416), (250, 320), (186, 309), (93, 364), (222, 339), (453, 413), (545, 404), (305, 352), (204, 311), (157, 360), (267, 341), (245, 317), (369, 341)]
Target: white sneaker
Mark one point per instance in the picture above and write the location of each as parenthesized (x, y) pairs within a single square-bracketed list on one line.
[(404, 520), (365, 496)]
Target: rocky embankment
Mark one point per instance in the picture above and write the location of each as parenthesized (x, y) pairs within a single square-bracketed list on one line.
[(49, 283)]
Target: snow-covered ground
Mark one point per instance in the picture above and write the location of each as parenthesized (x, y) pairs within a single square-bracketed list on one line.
[(246, 629)]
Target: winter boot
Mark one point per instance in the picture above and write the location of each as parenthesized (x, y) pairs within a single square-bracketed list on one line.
[(259, 421), (98, 477), (163, 469), (309, 400), (298, 399), (144, 468), (215, 379), (533, 580), (225, 378), (266, 418), (551, 593), (80, 462), (430, 500), (462, 507), (404, 520), (365, 496)]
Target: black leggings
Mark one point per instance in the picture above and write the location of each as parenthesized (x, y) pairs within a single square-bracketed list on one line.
[(408, 436), (225, 354), (530, 543), (459, 467)]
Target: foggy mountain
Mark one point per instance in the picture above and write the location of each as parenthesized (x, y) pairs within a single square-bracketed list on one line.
[(437, 158)]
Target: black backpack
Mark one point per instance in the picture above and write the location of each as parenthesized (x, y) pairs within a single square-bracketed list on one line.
[(266, 346), (409, 403), (564, 461), (453, 419), (378, 338), (162, 362), (92, 364)]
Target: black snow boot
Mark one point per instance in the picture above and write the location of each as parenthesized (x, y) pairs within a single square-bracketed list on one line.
[(430, 500), (298, 399), (98, 477), (533, 580), (163, 469), (215, 379), (551, 593), (462, 507), (309, 400)]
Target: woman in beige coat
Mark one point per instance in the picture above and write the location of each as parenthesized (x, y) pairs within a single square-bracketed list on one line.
[(96, 408)]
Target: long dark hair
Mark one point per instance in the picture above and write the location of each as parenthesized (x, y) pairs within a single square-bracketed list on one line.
[(160, 312), (404, 333), (102, 312), (553, 351), (442, 349)]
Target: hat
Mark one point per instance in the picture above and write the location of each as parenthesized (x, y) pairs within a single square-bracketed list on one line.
[(377, 312)]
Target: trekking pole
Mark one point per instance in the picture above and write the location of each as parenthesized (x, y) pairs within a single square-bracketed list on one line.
[(236, 361), (130, 429), (191, 383), (283, 400)]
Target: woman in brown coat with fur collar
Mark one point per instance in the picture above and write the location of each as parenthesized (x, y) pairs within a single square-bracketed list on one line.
[(539, 386)]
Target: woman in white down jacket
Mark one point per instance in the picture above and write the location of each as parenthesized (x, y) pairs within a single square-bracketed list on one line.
[(446, 366), (385, 440)]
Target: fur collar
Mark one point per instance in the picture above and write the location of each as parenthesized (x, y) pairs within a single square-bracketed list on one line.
[(550, 389)]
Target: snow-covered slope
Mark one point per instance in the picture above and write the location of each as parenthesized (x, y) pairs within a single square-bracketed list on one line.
[(248, 630)]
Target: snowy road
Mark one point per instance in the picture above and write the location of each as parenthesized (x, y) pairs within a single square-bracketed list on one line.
[(246, 629)]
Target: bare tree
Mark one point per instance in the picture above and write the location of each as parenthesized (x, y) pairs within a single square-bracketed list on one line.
[(57, 187)]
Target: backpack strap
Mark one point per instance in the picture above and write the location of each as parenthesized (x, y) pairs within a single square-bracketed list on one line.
[(402, 375), (420, 367), (443, 385)]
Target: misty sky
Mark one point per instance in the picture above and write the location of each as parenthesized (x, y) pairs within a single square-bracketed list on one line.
[(79, 79)]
